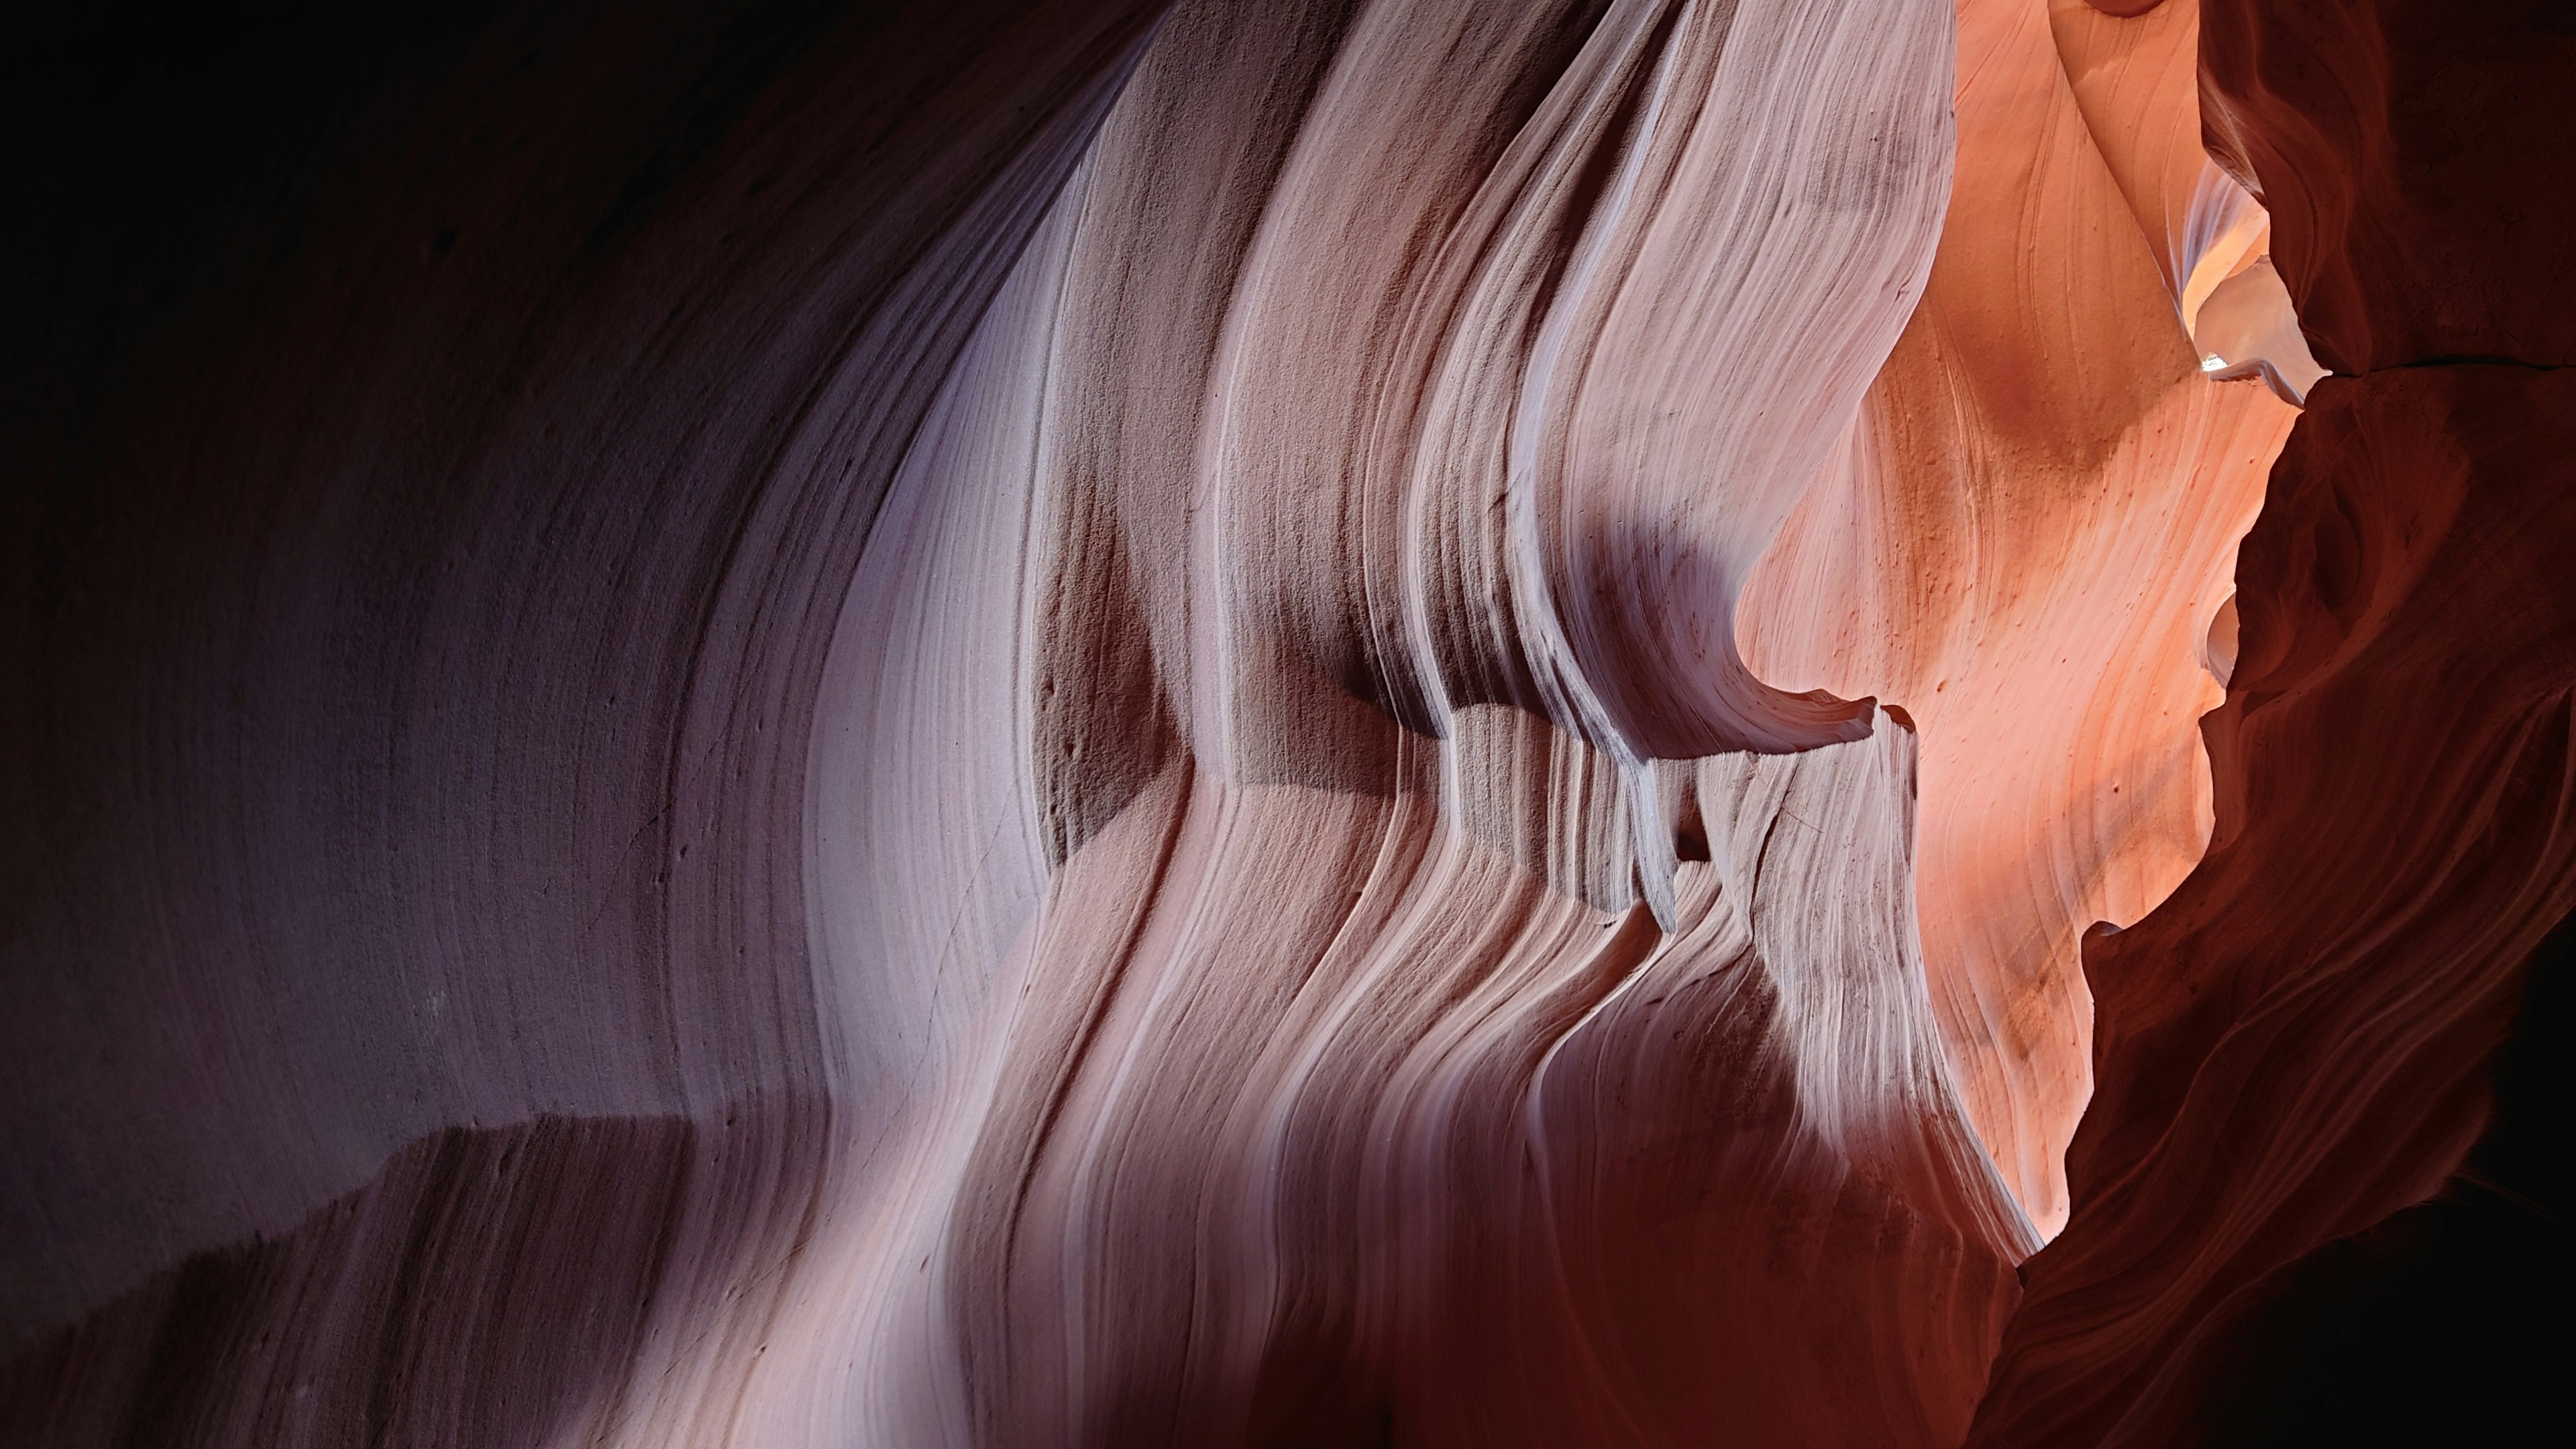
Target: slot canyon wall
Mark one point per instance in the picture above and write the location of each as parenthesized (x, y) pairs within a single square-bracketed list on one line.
[(1343, 722)]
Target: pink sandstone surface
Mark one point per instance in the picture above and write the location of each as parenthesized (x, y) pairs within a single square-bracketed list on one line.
[(1411, 722)]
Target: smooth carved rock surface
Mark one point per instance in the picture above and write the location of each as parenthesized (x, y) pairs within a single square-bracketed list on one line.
[(2415, 168), (1411, 722), (447, 441), (2294, 1044), (2026, 543), (1394, 1038)]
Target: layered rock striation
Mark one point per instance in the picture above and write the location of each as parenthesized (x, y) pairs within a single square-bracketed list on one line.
[(1393, 723), (2295, 1047)]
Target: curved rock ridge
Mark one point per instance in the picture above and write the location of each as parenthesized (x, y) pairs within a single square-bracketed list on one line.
[(2292, 1049), (1338, 722), (2414, 165), (440, 444), (2293, 1046), (1411, 930), (2027, 543), (2134, 81)]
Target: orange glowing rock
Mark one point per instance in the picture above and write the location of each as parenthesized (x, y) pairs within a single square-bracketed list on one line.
[(2028, 542)]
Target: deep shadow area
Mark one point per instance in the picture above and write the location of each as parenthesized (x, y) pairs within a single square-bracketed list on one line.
[(2447, 1323), (488, 1287)]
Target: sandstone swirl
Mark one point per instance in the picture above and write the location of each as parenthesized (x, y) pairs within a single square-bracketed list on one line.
[(1407, 722)]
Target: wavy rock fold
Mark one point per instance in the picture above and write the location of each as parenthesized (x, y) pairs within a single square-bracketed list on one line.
[(1346, 722)]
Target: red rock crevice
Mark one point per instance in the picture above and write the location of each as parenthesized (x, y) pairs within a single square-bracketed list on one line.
[(2295, 1046)]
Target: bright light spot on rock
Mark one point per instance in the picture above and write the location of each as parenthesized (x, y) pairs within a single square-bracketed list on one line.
[(2211, 362)]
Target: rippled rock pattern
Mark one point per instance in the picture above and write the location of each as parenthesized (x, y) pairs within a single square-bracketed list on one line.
[(1395, 723)]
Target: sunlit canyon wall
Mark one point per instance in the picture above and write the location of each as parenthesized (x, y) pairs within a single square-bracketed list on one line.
[(1802, 722)]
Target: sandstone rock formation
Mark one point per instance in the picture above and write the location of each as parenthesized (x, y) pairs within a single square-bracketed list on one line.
[(1408, 722), (2294, 1045)]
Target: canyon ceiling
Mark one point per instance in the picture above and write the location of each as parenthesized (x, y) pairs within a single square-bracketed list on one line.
[(1290, 723)]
